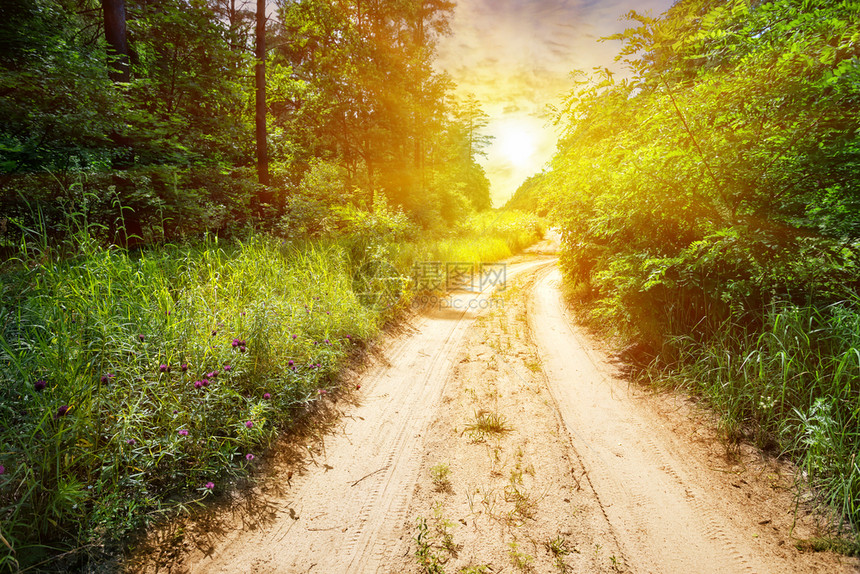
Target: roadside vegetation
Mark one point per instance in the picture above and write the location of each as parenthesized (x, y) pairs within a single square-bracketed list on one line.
[(709, 213)]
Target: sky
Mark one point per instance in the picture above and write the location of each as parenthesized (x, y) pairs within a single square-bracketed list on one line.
[(516, 57)]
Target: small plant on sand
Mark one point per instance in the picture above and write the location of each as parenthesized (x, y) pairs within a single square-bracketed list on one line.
[(486, 423), (558, 548), (523, 505), (440, 474), (425, 553), (521, 561), (435, 545), (476, 569)]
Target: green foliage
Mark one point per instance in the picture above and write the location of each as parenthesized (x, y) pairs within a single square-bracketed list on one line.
[(712, 192), (174, 365), (790, 386), (355, 109), (526, 198), (57, 101), (364, 96), (188, 101), (435, 546)]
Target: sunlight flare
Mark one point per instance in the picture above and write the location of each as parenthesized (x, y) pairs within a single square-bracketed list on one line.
[(516, 144)]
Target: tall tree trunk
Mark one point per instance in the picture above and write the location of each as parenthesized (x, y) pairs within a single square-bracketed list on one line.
[(115, 34), (262, 154), (419, 118)]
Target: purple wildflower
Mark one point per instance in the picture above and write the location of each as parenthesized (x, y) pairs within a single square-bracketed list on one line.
[(212, 375), (249, 424), (2, 469), (141, 337), (131, 442), (205, 382), (106, 377), (40, 385), (249, 457), (227, 368), (234, 343), (267, 396), (62, 411), (242, 349), (209, 485), (294, 336), (291, 363), (164, 368), (327, 342), (198, 384), (183, 367), (183, 432)]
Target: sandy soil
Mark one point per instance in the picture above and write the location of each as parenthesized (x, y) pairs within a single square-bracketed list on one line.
[(498, 438)]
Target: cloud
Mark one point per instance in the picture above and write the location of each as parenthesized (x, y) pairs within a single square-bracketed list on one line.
[(516, 57)]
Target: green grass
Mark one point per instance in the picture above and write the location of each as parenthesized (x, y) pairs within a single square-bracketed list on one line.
[(161, 373), (793, 388), (487, 423), (485, 238)]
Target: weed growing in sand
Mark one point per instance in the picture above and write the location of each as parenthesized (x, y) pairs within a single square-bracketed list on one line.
[(435, 543), (487, 423), (521, 561), (534, 365), (440, 475), (476, 569), (558, 548), (425, 553), (523, 505)]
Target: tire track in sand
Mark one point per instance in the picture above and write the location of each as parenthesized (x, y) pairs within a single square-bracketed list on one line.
[(665, 519)]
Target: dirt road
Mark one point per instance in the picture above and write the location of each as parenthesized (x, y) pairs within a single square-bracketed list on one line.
[(493, 437)]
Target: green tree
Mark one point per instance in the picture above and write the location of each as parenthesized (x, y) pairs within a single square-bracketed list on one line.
[(720, 169)]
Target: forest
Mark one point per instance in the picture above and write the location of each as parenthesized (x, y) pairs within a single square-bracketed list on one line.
[(163, 125), (710, 208)]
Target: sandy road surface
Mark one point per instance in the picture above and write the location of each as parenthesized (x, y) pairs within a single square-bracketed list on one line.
[(671, 511), (587, 462)]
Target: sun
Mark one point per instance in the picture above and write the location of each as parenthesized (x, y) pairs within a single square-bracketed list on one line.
[(516, 144)]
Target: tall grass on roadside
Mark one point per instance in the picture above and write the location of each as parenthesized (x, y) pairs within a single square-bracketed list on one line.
[(131, 383), (486, 237), (795, 387)]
